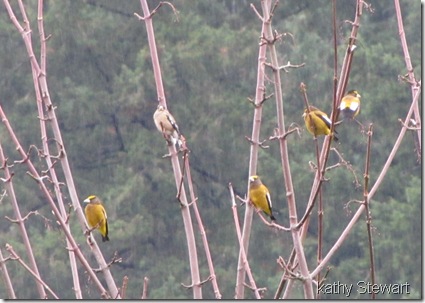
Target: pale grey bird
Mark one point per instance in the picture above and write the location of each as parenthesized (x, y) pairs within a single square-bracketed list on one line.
[(167, 125)]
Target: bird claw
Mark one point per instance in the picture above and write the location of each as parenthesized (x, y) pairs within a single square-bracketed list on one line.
[(88, 234)]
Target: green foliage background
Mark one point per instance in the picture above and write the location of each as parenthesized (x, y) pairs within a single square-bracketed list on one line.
[(100, 78)]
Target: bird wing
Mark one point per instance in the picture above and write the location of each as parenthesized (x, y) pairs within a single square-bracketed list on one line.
[(269, 201), (354, 105), (350, 102), (106, 220), (106, 228), (173, 122), (324, 118), (104, 212)]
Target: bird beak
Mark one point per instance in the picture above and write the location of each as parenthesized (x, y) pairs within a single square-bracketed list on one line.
[(87, 200), (303, 115)]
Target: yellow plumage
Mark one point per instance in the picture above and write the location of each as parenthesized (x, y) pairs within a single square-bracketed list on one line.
[(317, 122), (350, 104), (96, 216), (259, 196)]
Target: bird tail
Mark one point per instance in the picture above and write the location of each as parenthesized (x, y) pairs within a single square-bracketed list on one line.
[(176, 139), (105, 238)]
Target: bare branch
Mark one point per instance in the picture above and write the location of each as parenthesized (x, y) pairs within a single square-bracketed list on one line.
[(368, 213), (287, 270), (22, 219), (260, 290), (6, 278), (145, 288), (244, 263), (259, 143), (199, 284), (256, 12), (202, 231), (289, 65), (259, 104), (15, 256), (328, 269), (346, 164), (8, 179), (292, 128), (124, 287), (411, 126), (154, 11), (284, 67), (16, 210)]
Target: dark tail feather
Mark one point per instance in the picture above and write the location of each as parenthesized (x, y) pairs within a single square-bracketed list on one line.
[(105, 238), (272, 217)]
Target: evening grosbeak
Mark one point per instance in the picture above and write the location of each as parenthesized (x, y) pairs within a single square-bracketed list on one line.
[(259, 196), (96, 216), (317, 122), (350, 104)]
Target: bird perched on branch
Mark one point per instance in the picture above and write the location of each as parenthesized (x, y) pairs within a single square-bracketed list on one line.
[(96, 216), (350, 104), (167, 125), (317, 122), (259, 196)]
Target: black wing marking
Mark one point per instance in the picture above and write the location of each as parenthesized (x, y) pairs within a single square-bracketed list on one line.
[(173, 123)]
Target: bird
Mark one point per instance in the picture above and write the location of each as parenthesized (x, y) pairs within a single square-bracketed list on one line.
[(350, 104), (96, 216), (317, 122), (259, 195), (167, 125)]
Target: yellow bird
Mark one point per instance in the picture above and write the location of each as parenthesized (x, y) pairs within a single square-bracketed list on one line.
[(317, 122), (350, 104), (96, 216), (259, 196), (167, 125)]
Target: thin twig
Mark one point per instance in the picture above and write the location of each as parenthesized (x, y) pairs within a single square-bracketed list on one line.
[(320, 217), (202, 231), (366, 203), (284, 67), (259, 143), (124, 287), (273, 223), (257, 13), (260, 103), (33, 212), (415, 85), (154, 11), (291, 129), (16, 257), (6, 277), (145, 288), (347, 165), (245, 263)]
